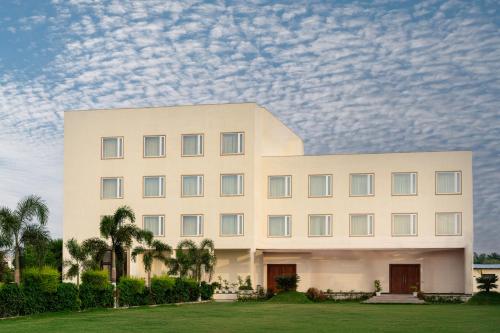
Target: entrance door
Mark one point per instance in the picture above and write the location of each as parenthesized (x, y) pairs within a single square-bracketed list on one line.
[(276, 270), (403, 277)]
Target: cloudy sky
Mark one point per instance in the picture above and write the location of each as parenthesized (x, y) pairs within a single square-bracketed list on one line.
[(346, 76)]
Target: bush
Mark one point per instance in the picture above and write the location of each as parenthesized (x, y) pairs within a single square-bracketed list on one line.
[(206, 291), (315, 295), (487, 282), (11, 300), (186, 290), (45, 279), (131, 291), (162, 288), (95, 278), (485, 298), (290, 297), (287, 282), (67, 298)]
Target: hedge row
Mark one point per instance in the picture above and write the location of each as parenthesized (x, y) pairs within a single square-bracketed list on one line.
[(42, 292)]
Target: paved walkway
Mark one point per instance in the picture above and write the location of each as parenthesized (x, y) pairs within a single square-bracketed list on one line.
[(394, 299)]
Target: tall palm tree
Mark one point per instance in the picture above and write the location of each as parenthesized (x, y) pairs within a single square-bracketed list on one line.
[(83, 256), (18, 229), (153, 250), (120, 229), (194, 259)]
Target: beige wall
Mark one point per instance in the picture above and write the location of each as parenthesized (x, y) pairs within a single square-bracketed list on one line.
[(270, 149), (477, 273)]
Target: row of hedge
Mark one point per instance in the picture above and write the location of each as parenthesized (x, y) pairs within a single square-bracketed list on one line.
[(41, 291)]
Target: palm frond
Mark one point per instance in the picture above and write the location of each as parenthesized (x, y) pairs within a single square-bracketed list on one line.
[(124, 213), (107, 227), (31, 207)]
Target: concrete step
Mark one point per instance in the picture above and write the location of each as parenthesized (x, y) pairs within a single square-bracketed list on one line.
[(394, 299)]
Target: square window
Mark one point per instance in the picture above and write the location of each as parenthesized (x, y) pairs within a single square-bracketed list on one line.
[(112, 188), (320, 186), (448, 224), (154, 186), (448, 182), (192, 145), (192, 225), (320, 225), (154, 146), (280, 187), (155, 224), (404, 183), (232, 143), (231, 224), (231, 185), (361, 225), (192, 186), (362, 184), (112, 147), (279, 226), (404, 224)]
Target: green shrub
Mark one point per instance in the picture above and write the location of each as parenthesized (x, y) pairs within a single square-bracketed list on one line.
[(485, 298), (46, 279), (95, 278), (131, 291), (11, 300), (287, 282), (162, 288), (93, 297), (315, 295), (186, 290), (290, 297), (67, 297), (487, 282), (206, 290)]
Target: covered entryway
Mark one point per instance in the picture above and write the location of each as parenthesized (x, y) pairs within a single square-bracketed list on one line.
[(403, 277), (274, 270)]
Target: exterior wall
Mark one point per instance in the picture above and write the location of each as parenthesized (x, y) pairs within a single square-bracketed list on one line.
[(477, 273), (270, 149)]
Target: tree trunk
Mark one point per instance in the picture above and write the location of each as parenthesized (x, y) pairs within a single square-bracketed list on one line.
[(78, 279), (17, 273), (113, 266), (149, 278)]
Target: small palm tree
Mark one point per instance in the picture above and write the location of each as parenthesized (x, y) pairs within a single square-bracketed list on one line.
[(153, 250), (18, 230), (193, 259), (83, 256), (120, 229), (487, 282)]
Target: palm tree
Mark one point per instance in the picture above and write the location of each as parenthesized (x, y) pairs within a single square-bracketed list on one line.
[(193, 259), (84, 256), (17, 227), (119, 228), (154, 250)]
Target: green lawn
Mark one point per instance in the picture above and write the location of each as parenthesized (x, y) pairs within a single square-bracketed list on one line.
[(260, 317)]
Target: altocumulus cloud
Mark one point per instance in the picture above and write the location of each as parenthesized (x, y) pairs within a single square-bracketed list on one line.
[(348, 77)]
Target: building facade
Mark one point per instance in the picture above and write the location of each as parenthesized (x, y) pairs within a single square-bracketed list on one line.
[(237, 175)]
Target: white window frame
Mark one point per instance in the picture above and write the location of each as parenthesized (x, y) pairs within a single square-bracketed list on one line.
[(161, 221), (162, 146), (199, 186), (241, 143), (199, 143), (119, 187), (119, 147), (328, 221), (288, 226), (413, 180), (288, 186), (458, 223), (239, 225), (413, 224), (329, 185), (240, 184), (371, 225), (458, 183), (162, 187), (371, 184), (199, 225)]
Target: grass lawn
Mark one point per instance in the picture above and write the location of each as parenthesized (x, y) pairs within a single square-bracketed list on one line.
[(260, 317)]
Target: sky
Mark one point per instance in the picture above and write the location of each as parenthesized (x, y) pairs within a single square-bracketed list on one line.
[(348, 77)]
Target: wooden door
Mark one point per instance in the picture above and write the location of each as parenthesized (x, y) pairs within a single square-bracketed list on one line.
[(403, 277), (275, 270)]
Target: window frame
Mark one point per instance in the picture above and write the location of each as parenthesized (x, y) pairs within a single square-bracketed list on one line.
[(459, 184), (202, 147), (162, 222), (309, 185), (289, 186), (448, 235), (120, 188), (199, 220), (404, 172), (163, 143), (415, 219), (241, 142), (121, 148), (288, 220), (371, 174), (162, 188), (202, 194), (329, 222), (238, 216), (372, 221), (242, 185)]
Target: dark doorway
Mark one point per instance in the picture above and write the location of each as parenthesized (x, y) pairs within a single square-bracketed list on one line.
[(403, 277), (275, 270)]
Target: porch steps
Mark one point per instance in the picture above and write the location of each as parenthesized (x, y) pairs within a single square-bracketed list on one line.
[(394, 299)]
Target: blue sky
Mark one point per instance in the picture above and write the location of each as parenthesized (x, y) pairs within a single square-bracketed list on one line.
[(376, 76)]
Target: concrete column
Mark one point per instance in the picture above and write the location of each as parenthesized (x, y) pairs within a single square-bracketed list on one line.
[(468, 261), (251, 253)]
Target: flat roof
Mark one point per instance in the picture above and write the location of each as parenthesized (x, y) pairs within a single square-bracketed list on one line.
[(487, 266)]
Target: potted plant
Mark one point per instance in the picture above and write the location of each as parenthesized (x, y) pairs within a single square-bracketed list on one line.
[(414, 290), (378, 287)]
